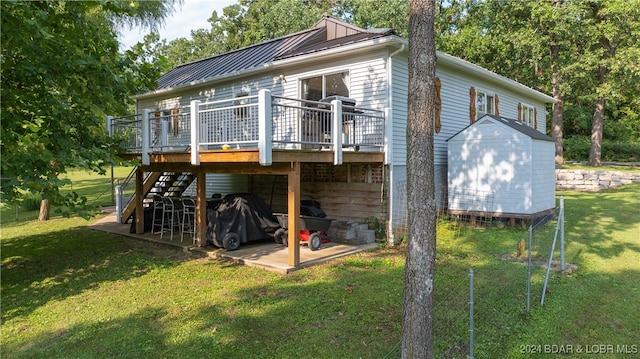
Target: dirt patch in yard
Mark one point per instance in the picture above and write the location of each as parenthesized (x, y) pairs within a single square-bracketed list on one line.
[(555, 265)]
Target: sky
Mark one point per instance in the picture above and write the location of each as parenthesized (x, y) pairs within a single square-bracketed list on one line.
[(192, 15)]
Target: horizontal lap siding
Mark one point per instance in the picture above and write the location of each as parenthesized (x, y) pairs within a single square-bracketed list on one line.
[(367, 78), (543, 175), (215, 92), (400, 93)]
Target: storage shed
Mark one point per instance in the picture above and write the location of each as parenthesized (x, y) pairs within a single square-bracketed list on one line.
[(501, 167)]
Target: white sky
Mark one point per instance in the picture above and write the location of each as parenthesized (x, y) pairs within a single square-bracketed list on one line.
[(192, 15)]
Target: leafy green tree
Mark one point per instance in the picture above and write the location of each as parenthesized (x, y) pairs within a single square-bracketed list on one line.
[(579, 51), (612, 57), (61, 74)]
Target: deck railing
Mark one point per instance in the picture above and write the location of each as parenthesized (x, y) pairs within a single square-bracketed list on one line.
[(262, 121)]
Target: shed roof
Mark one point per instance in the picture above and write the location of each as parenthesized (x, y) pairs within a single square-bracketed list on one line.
[(514, 124)]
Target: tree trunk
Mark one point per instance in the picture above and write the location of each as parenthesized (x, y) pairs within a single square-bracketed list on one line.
[(557, 116), (595, 154), (45, 208), (417, 315)]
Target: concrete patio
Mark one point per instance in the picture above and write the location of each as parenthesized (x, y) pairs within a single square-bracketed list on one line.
[(266, 254)]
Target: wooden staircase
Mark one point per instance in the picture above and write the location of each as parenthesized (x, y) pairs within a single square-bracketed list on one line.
[(171, 184)]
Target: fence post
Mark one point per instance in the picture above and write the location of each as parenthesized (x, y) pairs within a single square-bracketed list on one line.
[(336, 106), (553, 248), (529, 270), (471, 309), (265, 127), (118, 204), (195, 133), (561, 224), (146, 133)]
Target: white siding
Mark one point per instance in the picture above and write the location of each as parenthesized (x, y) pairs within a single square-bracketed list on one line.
[(400, 93), (543, 175), (221, 183)]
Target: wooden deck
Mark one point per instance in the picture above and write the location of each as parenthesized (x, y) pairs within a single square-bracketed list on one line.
[(239, 161)]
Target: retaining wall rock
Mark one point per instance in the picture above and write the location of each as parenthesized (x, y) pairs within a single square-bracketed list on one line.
[(593, 180)]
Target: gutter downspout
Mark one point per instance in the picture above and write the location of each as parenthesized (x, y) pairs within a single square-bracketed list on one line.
[(389, 144)]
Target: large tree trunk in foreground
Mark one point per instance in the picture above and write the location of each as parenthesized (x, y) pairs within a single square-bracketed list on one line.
[(45, 208), (417, 315)]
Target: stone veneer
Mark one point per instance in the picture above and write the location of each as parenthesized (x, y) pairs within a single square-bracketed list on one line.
[(592, 180)]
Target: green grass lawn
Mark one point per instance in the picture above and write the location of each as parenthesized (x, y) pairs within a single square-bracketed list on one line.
[(72, 292)]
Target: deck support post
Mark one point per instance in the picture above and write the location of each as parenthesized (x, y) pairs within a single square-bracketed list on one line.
[(293, 206), (139, 200), (265, 127), (201, 207)]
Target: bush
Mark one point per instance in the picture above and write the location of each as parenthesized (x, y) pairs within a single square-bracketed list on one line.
[(576, 148), (31, 201)]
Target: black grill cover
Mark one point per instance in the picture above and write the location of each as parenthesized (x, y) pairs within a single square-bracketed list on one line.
[(244, 214)]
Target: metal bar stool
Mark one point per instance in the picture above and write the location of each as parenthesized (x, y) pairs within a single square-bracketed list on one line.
[(157, 207), (188, 218), (170, 215)]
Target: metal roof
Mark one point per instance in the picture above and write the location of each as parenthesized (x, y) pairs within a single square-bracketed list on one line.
[(258, 55)]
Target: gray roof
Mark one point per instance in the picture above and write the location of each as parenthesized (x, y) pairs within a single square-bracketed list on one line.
[(516, 125), (315, 39)]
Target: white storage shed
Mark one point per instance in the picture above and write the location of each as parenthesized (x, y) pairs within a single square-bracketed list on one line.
[(501, 167)]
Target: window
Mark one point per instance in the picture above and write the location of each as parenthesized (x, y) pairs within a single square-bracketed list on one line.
[(317, 88), (484, 103), (528, 115)]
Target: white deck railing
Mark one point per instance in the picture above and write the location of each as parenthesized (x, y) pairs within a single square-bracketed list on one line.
[(263, 121)]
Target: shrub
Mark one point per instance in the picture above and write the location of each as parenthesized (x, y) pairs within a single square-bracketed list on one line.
[(576, 148), (31, 201)]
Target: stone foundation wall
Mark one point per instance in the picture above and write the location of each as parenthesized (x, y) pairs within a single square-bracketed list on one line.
[(591, 180)]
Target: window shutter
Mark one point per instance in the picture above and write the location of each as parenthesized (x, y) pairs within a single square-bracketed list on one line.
[(535, 118), (175, 119), (519, 112), (438, 124), (497, 109), (472, 105)]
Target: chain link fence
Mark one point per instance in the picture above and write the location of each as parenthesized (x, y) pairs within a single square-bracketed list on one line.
[(476, 310)]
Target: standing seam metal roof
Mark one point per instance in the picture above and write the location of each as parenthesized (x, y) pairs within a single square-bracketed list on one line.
[(304, 42)]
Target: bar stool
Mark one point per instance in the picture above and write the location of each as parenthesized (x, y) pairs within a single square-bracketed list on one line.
[(188, 218), (171, 214), (157, 207)]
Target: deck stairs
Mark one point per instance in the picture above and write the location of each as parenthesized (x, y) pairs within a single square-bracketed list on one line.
[(171, 184)]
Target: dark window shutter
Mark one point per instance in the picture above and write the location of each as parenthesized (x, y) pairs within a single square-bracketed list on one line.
[(519, 112), (472, 105), (438, 125)]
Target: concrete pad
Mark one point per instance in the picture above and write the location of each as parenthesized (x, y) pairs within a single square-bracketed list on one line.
[(266, 254)]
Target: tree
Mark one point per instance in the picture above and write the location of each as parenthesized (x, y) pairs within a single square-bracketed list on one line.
[(613, 58), (417, 315), (61, 74)]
